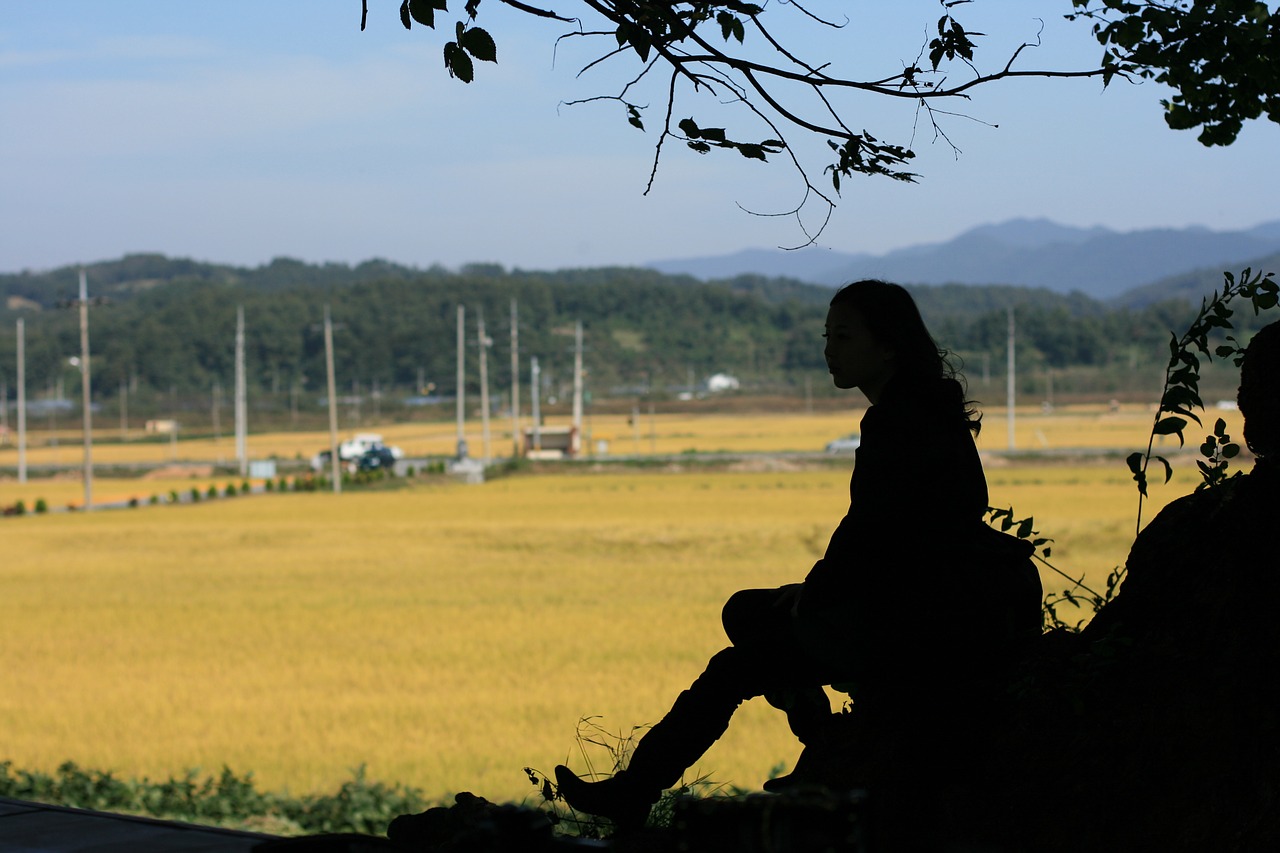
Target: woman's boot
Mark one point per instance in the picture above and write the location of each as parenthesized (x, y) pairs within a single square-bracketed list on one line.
[(696, 720), (622, 798)]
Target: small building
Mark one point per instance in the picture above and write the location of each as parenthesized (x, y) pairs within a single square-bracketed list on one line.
[(719, 382), (162, 427), (551, 442)]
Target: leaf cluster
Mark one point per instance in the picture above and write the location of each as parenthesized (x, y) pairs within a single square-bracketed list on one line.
[(1181, 395), (469, 43), (1222, 57), (1179, 399), (702, 139)]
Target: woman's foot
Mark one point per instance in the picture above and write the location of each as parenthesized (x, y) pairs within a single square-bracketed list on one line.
[(619, 798)]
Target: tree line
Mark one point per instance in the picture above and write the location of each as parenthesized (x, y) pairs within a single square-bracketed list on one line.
[(167, 326)]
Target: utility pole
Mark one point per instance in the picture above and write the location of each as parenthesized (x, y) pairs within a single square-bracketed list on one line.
[(1010, 386), (217, 412), (535, 376), (515, 381), (461, 381), (242, 408), (22, 401), (85, 395), (334, 462), (484, 343), (124, 411), (575, 447)]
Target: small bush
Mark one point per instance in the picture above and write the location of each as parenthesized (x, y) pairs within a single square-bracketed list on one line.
[(41, 506), (195, 495), (155, 499), (173, 496), (359, 805), (269, 485), (245, 488), (19, 508), (230, 491), (133, 503)]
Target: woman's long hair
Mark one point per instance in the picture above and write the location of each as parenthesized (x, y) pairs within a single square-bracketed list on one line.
[(894, 321)]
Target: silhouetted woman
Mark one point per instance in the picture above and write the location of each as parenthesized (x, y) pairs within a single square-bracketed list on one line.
[(874, 614)]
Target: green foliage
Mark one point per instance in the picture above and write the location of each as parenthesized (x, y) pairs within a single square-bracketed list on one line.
[(229, 492), (211, 492), (41, 506), (20, 508), (644, 329), (1179, 399), (359, 804), (1181, 395), (195, 494), (245, 488), (702, 139), (1219, 57)]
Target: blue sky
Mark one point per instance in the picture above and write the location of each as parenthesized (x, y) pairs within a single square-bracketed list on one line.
[(237, 131)]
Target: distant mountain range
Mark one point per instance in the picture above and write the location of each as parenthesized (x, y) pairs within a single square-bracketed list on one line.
[(1097, 262)]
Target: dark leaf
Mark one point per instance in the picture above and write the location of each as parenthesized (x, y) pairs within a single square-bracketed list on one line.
[(423, 11), (458, 63), (689, 128), (404, 15), (1168, 469), (1230, 451), (1134, 461), (1169, 426), (480, 44)]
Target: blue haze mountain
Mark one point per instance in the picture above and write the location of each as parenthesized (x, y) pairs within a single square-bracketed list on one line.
[(1097, 262)]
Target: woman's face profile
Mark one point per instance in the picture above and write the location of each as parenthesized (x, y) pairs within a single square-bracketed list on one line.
[(853, 357)]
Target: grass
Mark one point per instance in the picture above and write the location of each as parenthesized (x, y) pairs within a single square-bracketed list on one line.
[(444, 635)]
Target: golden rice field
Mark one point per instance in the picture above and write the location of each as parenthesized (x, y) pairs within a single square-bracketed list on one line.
[(1084, 426), (448, 635)]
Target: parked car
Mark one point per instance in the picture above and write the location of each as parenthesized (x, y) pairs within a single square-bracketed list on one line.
[(845, 444), (365, 452), (376, 459)]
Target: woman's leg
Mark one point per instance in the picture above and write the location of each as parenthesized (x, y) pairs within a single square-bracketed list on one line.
[(768, 661), (761, 621)]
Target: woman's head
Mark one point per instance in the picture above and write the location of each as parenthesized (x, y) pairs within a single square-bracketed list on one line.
[(875, 334), (1259, 395), (890, 316)]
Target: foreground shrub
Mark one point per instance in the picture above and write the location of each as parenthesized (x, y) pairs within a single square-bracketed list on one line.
[(359, 805)]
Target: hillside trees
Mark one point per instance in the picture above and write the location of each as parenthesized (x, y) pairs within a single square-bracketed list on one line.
[(171, 333), (683, 62)]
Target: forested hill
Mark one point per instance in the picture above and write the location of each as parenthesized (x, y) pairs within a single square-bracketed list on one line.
[(168, 325)]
